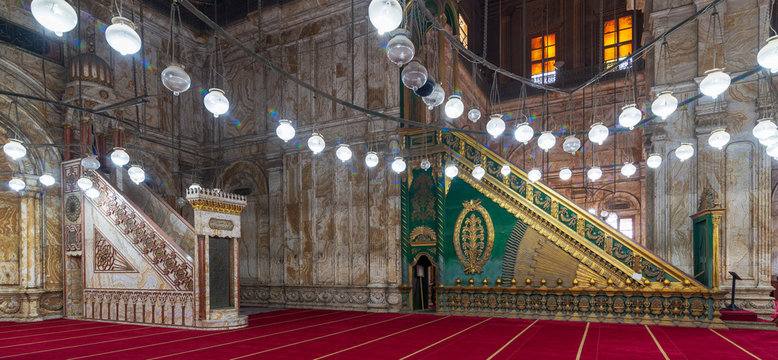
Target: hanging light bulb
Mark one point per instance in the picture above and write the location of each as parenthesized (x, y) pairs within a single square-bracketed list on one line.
[(137, 175), (398, 165), (474, 114), (524, 133), (664, 105), (14, 149), (715, 82), (718, 138), (496, 125), (546, 140), (84, 183), (371, 159), (400, 49), (571, 144), (598, 133), (594, 173), (769, 140), (121, 36), (285, 130), (565, 174), (772, 150), (343, 153), (55, 15), (175, 78), (534, 175), (765, 128), (119, 156), (195, 187), (316, 143), (435, 98), (414, 75), (768, 54), (628, 169), (216, 102), (630, 116), (92, 193), (17, 183), (385, 15), (425, 164), (46, 180), (478, 172), (451, 171), (654, 160), (90, 162), (454, 107), (684, 152), (505, 170)]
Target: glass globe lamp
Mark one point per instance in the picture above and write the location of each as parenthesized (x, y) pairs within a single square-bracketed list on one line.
[(505, 170), (92, 193), (84, 183), (425, 164), (664, 105), (371, 159), (46, 180), (598, 133), (495, 126), (534, 175), (454, 107), (565, 174), (719, 138), (571, 144), (385, 15), (654, 161), (478, 172), (398, 165), (524, 133), (175, 78), (435, 98), (316, 143), (474, 114), (14, 149), (715, 83), (684, 152), (414, 75), (764, 128), (343, 153), (55, 15), (216, 102), (285, 130), (90, 162), (769, 140), (119, 156), (768, 54), (121, 36), (772, 150), (628, 169), (451, 171), (594, 173), (400, 49), (546, 141), (630, 116), (137, 175), (17, 184)]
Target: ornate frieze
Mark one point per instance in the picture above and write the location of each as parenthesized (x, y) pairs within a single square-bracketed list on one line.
[(473, 236)]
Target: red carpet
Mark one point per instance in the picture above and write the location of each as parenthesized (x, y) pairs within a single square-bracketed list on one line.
[(326, 334)]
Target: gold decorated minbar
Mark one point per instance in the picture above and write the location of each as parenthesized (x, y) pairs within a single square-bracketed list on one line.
[(217, 213)]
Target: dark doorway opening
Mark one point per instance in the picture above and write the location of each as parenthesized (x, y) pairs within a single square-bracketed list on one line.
[(424, 279)]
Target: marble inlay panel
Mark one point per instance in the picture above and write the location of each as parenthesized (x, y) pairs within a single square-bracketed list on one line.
[(739, 202)]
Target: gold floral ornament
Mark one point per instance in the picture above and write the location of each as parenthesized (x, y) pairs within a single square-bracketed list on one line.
[(473, 243)]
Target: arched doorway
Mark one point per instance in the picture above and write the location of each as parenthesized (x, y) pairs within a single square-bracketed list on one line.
[(424, 278)]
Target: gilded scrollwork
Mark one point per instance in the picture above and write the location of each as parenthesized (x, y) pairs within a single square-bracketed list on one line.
[(423, 201), (473, 236), (568, 217), (423, 236)]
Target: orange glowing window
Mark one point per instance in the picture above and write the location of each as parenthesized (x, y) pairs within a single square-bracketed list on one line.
[(617, 40), (543, 58)]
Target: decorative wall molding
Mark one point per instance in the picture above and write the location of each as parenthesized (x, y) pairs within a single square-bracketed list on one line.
[(326, 297)]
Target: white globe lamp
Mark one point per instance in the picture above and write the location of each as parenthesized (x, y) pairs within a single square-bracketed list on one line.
[(137, 175), (385, 15), (496, 125), (664, 105), (630, 116), (92, 193), (371, 159), (764, 128), (478, 172), (546, 141), (474, 114), (121, 36), (628, 169), (654, 161), (772, 150), (175, 78), (435, 98), (343, 153), (84, 183), (216, 102), (524, 133), (425, 164), (90, 162), (451, 171), (119, 156), (55, 15), (454, 107), (598, 133), (414, 75), (505, 170), (14, 149), (400, 49), (398, 165), (534, 175), (285, 130), (594, 173), (715, 83), (571, 144), (46, 180), (565, 174), (768, 54), (316, 143), (17, 183), (719, 138), (684, 152)]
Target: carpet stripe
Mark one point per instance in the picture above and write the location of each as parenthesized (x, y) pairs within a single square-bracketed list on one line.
[(511, 340), (258, 337), (203, 336), (381, 338), (28, 323), (733, 343), (70, 338), (104, 325), (444, 339), (318, 337), (583, 339), (657, 343), (74, 323)]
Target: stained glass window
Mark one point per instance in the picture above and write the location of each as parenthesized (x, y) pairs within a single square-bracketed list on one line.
[(543, 58), (617, 41)]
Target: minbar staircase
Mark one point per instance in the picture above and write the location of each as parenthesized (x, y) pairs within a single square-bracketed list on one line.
[(131, 258)]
